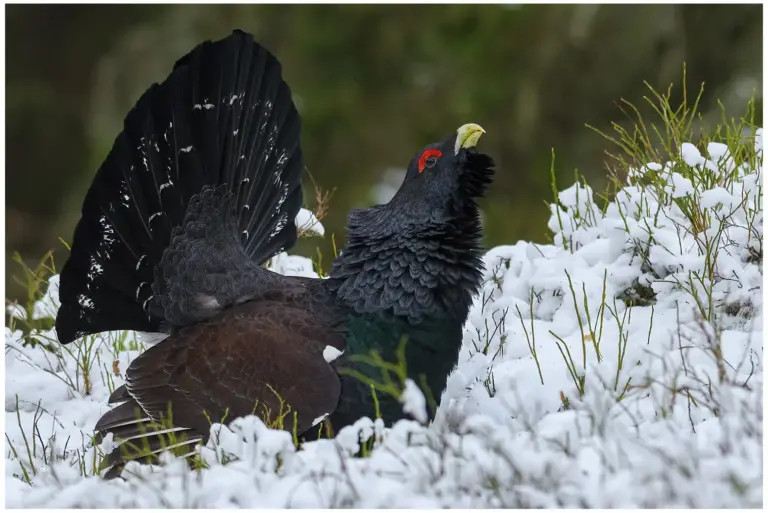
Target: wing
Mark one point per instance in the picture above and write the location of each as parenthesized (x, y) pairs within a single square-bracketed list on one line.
[(267, 357)]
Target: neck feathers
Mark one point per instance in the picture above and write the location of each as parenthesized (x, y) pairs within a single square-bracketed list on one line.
[(424, 271)]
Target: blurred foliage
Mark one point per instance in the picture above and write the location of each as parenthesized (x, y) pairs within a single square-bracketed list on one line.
[(373, 84)]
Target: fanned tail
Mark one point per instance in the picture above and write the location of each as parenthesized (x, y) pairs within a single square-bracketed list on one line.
[(222, 121)]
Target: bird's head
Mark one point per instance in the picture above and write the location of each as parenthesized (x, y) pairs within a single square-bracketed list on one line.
[(444, 178), (440, 188), (419, 255)]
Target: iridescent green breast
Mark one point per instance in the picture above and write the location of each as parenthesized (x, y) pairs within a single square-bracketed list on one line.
[(383, 350)]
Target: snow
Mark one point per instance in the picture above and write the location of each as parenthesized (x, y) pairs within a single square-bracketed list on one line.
[(414, 402), (691, 155), (620, 366), (307, 222), (679, 186)]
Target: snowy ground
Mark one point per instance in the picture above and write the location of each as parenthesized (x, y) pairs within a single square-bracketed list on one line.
[(619, 367)]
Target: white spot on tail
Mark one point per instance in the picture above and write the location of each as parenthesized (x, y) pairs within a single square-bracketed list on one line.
[(138, 289), (85, 302), (283, 158), (187, 149), (330, 353), (206, 105)]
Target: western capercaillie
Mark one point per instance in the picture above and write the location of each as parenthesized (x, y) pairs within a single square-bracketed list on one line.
[(201, 188)]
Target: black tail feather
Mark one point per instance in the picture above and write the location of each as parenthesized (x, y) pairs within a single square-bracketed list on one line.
[(224, 117)]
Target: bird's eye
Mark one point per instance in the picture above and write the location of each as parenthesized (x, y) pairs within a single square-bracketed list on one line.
[(429, 159)]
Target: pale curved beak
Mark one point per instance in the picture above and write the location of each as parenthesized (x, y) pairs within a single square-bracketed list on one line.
[(467, 136)]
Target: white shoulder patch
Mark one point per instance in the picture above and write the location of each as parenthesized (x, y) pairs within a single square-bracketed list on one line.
[(330, 353)]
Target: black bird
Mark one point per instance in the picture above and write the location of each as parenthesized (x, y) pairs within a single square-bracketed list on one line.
[(200, 189)]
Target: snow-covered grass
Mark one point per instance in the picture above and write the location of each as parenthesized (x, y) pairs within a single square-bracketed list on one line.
[(620, 366)]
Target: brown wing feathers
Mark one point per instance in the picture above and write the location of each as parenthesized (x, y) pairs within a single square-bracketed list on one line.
[(201, 187), (246, 360)]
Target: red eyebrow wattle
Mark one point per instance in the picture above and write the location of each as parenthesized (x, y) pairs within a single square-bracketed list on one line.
[(426, 155)]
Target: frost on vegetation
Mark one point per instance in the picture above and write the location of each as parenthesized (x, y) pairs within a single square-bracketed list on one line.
[(620, 366), (414, 402)]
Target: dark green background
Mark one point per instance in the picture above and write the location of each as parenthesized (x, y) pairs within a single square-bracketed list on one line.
[(373, 84)]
